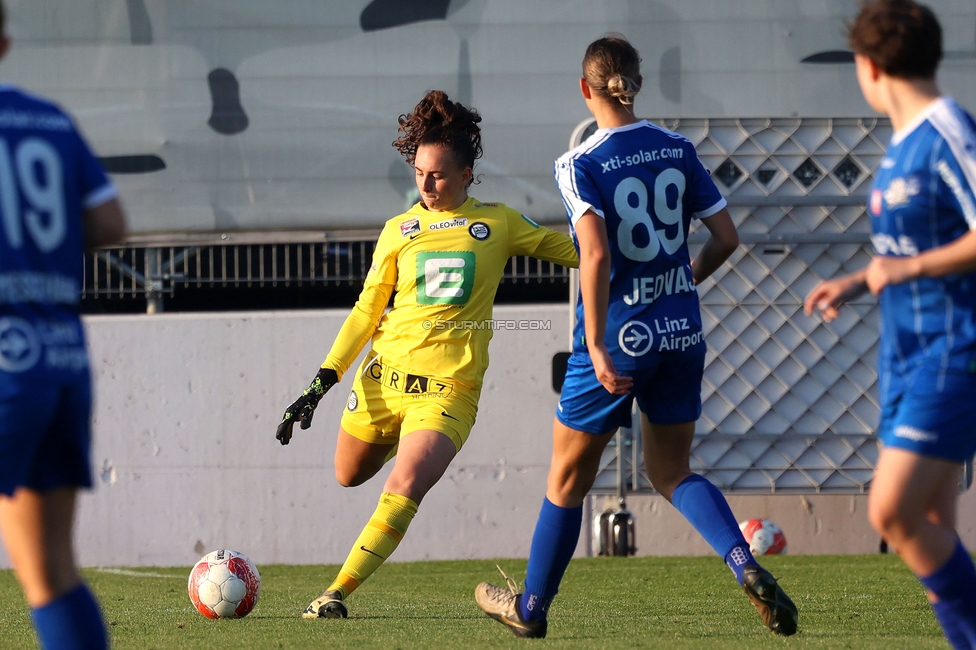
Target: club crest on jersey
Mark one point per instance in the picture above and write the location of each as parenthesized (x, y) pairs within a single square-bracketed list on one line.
[(450, 223), (479, 230), (635, 338), (876, 202), (353, 401), (409, 227), (900, 191)]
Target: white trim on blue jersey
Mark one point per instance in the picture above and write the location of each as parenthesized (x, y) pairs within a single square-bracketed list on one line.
[(566, 171), (648, 184), (924, 197), (715, 209), (100, 196), (946, 119)]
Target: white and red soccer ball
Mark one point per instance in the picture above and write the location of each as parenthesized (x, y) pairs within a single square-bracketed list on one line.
[(764, 537), (224, 584)]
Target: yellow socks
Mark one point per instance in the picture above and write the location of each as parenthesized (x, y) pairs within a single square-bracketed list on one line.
[(377, 542)]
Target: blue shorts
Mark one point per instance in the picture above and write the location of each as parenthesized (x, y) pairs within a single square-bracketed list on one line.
[(45, 433), (931, 415), (668, 391)]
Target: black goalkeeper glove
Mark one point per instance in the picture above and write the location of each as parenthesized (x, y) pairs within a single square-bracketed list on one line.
[(304, 406)]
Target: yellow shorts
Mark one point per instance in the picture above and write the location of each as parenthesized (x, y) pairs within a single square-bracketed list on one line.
[(386, 404)]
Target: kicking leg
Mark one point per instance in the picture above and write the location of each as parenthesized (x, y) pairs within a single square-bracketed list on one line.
[(422, 458)]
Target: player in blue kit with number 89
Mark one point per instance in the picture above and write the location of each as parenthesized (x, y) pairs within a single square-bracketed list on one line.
[(631, 190), (54, 200)]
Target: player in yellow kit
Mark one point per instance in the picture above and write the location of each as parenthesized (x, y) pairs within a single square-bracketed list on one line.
[(416, 393)]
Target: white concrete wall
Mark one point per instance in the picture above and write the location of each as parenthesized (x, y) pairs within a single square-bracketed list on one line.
[(186, 460)]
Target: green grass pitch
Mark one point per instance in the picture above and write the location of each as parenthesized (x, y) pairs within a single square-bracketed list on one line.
[(857, 602)]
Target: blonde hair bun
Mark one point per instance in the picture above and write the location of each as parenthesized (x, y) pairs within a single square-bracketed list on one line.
[(623, 88)]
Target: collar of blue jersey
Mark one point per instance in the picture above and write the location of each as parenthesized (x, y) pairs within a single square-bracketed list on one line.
[(906, 130), (620, 129)]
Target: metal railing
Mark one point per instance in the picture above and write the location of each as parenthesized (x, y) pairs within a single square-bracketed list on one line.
[(156, 271)]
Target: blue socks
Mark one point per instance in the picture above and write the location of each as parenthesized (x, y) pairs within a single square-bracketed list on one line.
[(553, 544), (705, 508), (71, 622), (954, 584), (738, 558), (954, 633)]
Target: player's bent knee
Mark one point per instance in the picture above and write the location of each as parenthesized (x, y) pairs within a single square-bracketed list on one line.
[(665, 483), (663, 488), (891, 522), (569, 487), (355, 476)]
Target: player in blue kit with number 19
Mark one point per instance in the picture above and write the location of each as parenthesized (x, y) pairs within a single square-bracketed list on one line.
[(631, 191), (54, 200), (923, 216)]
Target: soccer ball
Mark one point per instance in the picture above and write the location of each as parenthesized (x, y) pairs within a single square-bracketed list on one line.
[(224, 584), (764, 537)]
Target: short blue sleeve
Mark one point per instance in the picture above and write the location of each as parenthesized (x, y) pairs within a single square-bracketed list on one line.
[(705, 199), (578, 191), (94, 187)]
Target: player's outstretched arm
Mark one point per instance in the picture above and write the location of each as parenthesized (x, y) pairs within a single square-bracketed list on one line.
[(958, 256), (303, 408), (558, 248), (829, 295), (362, 321), (529, 238)]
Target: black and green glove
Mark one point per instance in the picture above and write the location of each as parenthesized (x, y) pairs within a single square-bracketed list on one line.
[(303, 407)]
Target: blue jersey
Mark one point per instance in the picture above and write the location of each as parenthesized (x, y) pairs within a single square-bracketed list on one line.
[(647, 183), (48, 178), (923, 198)]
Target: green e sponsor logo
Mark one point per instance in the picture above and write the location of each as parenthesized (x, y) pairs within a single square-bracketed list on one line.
[(445, 278)]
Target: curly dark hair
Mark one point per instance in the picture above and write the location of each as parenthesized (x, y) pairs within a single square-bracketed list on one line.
[(438, 120), (901, 37)]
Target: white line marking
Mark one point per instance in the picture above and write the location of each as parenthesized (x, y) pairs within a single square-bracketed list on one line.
[(134, 574)]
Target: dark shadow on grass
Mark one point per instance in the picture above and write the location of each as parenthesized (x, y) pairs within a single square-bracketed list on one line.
[(415, 617), (381, 617)]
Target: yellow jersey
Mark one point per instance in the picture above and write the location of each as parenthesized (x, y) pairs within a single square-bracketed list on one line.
[(445, 268)]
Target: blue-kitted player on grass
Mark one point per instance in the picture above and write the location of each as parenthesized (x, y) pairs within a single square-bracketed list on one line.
[(54, 201), (631, 191), (923, 213)]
